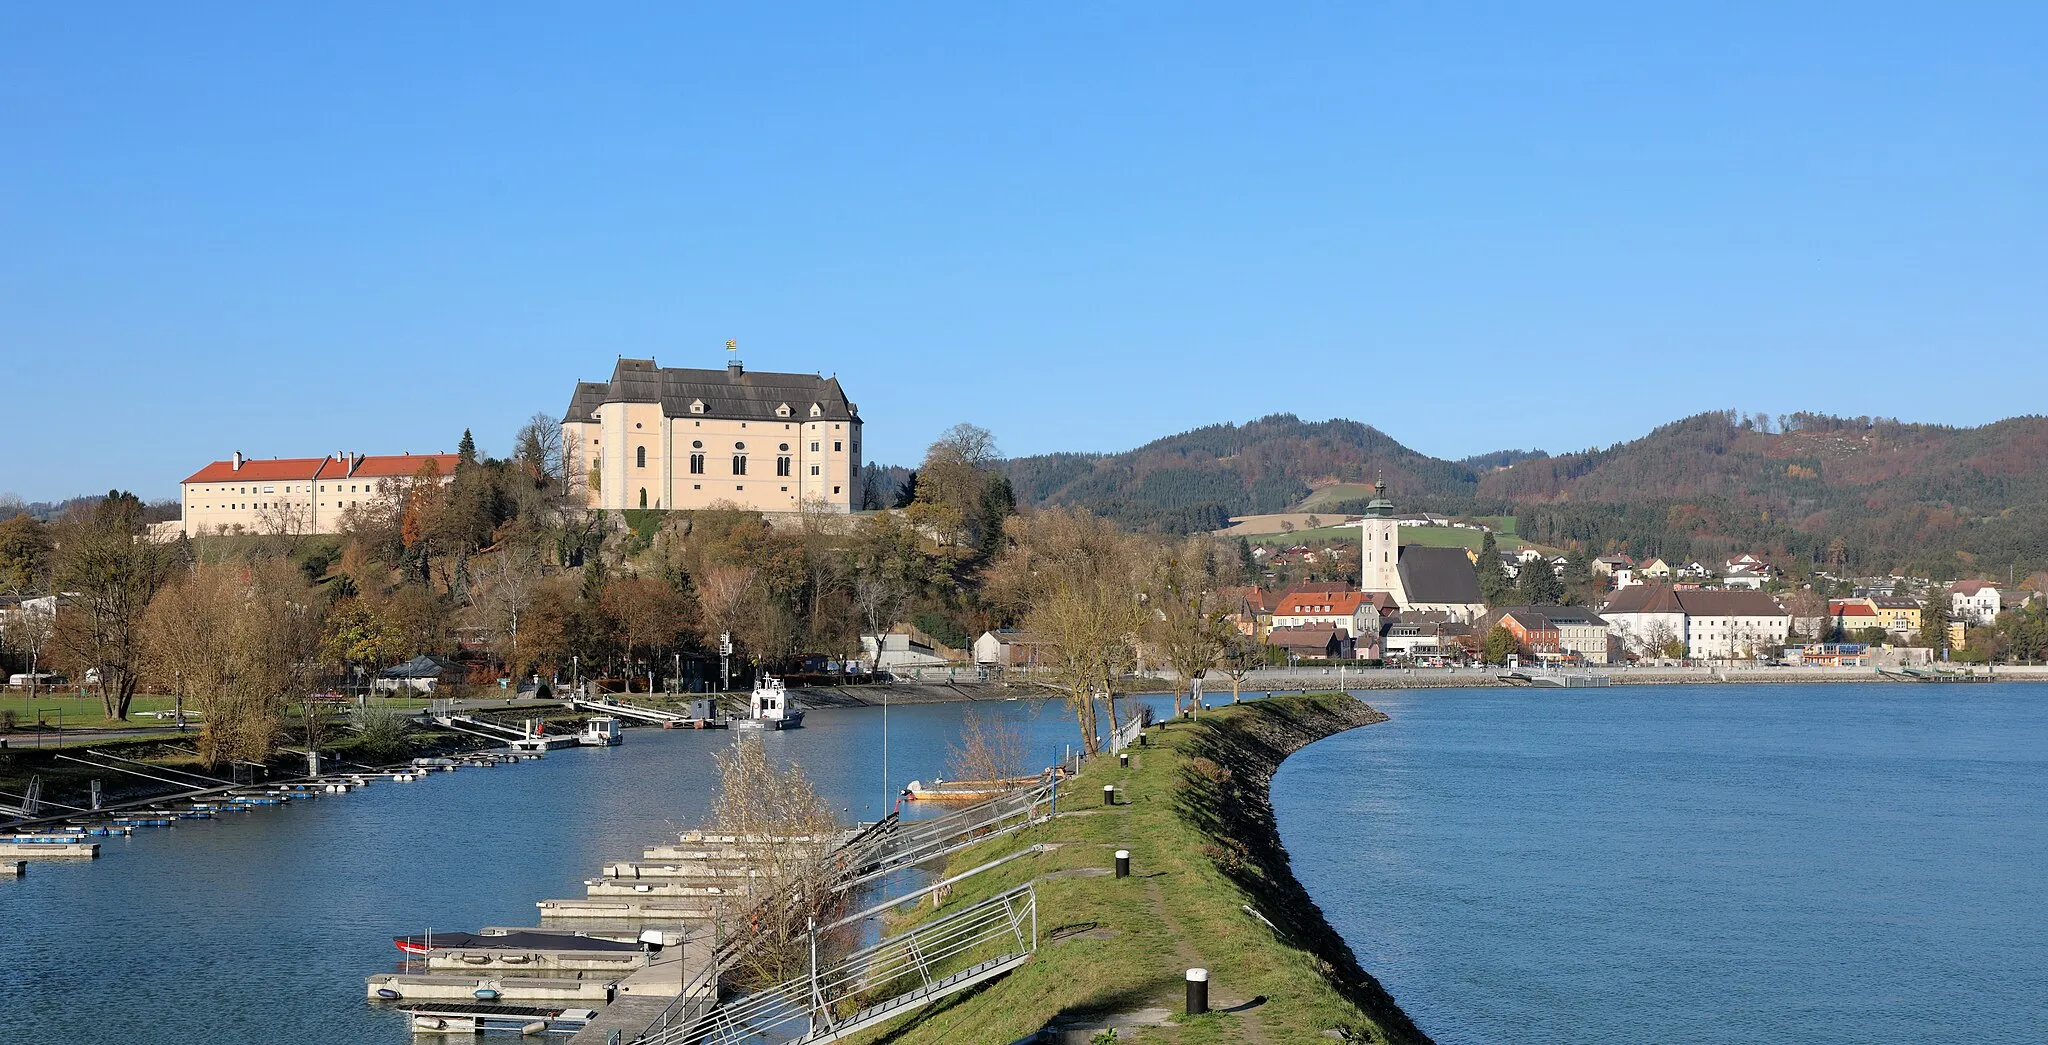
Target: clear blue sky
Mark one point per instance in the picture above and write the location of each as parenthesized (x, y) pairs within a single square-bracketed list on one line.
[(285, 230)]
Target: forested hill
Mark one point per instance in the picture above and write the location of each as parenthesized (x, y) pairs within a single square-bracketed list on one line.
[(1196, 480), (1865, 494)]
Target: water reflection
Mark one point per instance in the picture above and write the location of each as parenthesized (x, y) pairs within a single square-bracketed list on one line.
[(260, 928)]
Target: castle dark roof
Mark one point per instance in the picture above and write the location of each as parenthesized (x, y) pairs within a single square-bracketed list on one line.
[(1439, 576), (729, 393)]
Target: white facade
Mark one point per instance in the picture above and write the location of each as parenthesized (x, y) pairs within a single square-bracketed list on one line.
[(1977, 607), (1735, 636)]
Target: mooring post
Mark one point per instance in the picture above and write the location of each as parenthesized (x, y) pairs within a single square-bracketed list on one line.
[(1123, 759), (1109, 794), (1141, 740), (1123, 863), (1198, 991)]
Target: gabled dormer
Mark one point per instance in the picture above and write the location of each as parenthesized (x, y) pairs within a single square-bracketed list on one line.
[(817, 411), (783, 410), (696, 406)]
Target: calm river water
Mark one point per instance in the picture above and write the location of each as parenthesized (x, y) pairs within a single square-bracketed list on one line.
[(1828, 863), (260, 927)]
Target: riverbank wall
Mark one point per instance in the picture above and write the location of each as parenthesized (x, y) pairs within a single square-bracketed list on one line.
[(1466, 678)]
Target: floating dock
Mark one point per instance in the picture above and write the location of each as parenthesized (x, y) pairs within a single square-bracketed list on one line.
[(12, 868), (456, 1018), (42, 847)]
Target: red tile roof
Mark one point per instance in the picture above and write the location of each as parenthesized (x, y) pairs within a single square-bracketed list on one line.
[(282, 469), (1320, 604)]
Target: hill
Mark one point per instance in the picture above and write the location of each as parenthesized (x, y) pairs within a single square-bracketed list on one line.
[(1860, 494)]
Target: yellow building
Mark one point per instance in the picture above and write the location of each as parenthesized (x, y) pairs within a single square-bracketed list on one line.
[(1900, 616), (670, 437)]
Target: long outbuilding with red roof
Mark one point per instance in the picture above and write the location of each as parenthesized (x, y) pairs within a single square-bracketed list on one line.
[(296, 495)]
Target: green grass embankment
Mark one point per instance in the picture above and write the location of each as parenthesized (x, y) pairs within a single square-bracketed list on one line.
[(1193, 811)]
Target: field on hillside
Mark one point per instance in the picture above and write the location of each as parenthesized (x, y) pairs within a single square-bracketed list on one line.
[(1336, 493), (1427, 536)]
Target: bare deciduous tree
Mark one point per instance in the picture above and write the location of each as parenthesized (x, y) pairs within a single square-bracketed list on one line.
[(990, 750), (777, 814)]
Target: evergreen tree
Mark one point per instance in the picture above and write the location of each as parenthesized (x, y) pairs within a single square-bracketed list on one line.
[(1493, 580), (906, 495), (465, 453), (998, 502), (1538, 585), (1244, 559)]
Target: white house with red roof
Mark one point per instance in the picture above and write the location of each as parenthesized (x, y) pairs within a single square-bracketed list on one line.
[(296, 495), (1353, 612)]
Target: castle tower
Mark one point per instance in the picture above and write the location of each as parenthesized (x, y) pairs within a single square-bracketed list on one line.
[(1380, 558)]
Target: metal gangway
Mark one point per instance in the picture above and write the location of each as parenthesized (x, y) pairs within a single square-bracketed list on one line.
[(633, 711), (923, 841), (482, 727), (876, 983)]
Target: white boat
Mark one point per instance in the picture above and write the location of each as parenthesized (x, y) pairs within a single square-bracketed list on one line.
[(599, 731), (770, 708)]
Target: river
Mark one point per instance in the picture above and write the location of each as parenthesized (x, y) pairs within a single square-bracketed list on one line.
[(1812, 863), (258, 928)]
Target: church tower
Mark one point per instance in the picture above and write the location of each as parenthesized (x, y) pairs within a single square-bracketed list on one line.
[(1379, 565)]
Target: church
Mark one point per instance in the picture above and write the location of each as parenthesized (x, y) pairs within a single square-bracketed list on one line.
[(673, 437), (1418, 577)]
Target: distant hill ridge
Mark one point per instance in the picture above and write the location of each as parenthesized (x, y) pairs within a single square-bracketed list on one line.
[(1851, 493)]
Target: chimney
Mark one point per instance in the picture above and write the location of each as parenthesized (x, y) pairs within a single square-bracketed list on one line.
[(238, 460), (354, 459), (732, 369)]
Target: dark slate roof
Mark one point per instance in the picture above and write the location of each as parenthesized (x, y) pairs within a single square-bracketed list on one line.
[(1644, 598), (729, 393), (1575, 615), (1438, 575), (1705, 603), (424, 666), (588, 397)]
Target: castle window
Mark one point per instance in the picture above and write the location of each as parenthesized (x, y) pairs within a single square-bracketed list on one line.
[(837, 446), (696, 444), (739, 464), (696, 464), (785, 448), (814, 469), (739, 446), (640, 456), (814, 447), (782, 466), (643, 497)]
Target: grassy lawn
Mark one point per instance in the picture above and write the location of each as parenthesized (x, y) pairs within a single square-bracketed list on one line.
[(1113, 946), (88, 713)]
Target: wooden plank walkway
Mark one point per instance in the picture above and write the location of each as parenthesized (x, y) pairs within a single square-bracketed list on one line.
[(629, 1014)]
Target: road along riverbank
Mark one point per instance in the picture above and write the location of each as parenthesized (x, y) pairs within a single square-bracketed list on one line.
[(1209, 887)]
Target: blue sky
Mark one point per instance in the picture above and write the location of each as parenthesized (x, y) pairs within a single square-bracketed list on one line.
[(288, 230)]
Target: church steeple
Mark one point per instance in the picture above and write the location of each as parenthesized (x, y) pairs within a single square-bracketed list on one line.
[(1379, 565)]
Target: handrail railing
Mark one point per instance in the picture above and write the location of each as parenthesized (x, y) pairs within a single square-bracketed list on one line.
[(876, 982)]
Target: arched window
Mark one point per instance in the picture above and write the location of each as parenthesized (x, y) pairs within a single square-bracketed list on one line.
[(640, 459), (643, 497)]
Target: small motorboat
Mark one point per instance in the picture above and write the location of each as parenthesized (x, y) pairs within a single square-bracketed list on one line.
[(486, 994), (770, 708), (388, 994)]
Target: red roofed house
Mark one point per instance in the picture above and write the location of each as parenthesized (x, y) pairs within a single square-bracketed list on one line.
[(1353, 612), (294, 495), (1853, 615)]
